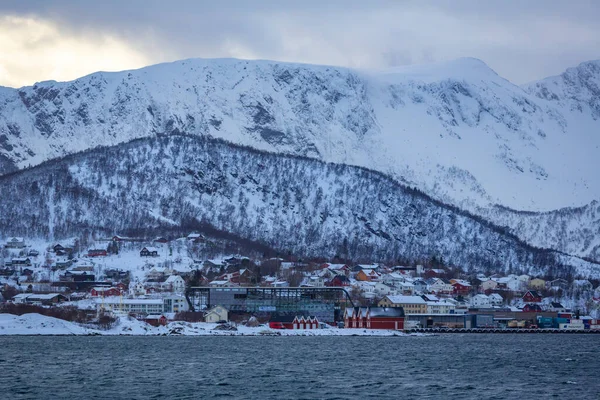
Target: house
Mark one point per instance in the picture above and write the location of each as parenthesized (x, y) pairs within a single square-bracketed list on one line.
[(480, 301), (367, 275), (174, 283), (155, 320), (354, 317), (301, 322), (488, 285), (405, 288), (537, 284), (460, 287), (65, 264), (559, 284), (374, 318), (434, 272), (282, 322), (385, 318), (557, 307), (40, 299), (21, 262), (137, 289), (532, 297), (97, 253), (7, 271), (393, 278), (161, 240), (149, 252), (440, 286), (410, 304), (440, 307), (60, 250), (77, 276), (104, 291), (511, 283), (338, 281), (156, 275), (15, 243), (337, 269), (195, 238), (33, 253), (496, 299), (420, 286), (217, 313)]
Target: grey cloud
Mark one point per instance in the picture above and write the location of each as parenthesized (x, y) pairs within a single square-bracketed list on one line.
[(521, 40)]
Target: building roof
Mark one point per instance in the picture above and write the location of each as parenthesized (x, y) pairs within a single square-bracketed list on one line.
[(173, 279), (406, 299), (103, 288), (335, 267), (461, 282), (391, 312)]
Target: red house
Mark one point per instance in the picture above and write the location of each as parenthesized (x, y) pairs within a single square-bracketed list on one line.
[(305, 323), (532, 297), (282, 322), (338, 281), (374, 318), (460, 287), (97, 253), (104, 291), (156, 320)]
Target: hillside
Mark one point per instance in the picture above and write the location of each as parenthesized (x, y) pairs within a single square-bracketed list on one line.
[(456, 131), (292, 204)]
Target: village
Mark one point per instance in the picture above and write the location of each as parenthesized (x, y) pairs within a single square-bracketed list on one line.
[(159, 281)]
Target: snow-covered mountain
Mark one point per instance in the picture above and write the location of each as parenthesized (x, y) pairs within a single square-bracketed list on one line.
[(456, 130), (291, 204)]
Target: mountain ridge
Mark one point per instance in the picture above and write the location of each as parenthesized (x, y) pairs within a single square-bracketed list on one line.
[(457, 131)]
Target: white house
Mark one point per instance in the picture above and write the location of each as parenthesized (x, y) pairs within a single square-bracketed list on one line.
[(480, 301), (382, 289), (175, 283), (15, 243), (216, 314), (440, 307), (405, 288), (137, 289), (490, 284), (440, 286), (496, 299)]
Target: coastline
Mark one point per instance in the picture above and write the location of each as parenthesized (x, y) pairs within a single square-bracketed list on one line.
[(39, 325)]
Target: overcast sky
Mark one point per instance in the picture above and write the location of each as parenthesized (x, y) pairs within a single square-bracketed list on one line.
[(522, 40)]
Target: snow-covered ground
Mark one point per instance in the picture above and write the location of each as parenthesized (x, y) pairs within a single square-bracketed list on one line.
[(36, 324)]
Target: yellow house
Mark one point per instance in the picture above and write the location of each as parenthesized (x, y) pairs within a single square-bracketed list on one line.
[(411, 304), (537, 283)]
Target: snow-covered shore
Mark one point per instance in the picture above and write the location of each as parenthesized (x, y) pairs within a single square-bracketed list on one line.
[(36, 324)]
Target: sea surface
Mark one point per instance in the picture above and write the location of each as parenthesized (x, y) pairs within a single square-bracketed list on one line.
[(451, 366)]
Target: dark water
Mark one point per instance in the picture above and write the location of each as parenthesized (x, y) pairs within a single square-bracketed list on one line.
[(440, 367)]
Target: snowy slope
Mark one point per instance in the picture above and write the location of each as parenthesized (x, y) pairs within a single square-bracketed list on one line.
[(455, 130), (294, 205)]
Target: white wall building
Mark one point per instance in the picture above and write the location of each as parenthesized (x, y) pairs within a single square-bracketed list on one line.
[(480, 301), (161, 305)]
